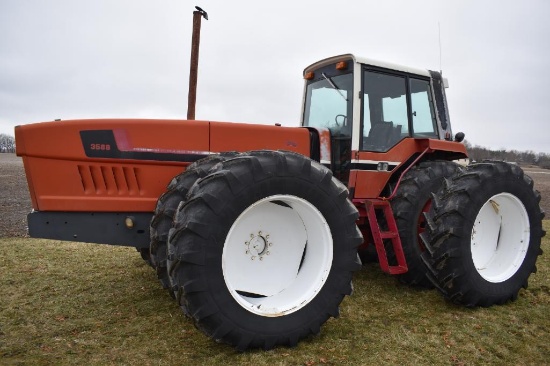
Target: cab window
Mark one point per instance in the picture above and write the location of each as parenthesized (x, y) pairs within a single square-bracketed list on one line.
[(423, 116), (386, 116), (385, 120), (329, 103)]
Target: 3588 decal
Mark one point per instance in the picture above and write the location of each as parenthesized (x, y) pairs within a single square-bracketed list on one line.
[(104, 147)]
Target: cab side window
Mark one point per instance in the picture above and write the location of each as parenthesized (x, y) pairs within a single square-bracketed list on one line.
[(423, 116), (385, 120)]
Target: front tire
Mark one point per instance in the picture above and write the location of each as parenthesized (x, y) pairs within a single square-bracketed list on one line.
[(264, 249), (484, 234), (166, 207), (145, 255)]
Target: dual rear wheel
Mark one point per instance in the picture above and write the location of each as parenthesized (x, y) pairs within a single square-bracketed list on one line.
[(472, 232), (483, 234)]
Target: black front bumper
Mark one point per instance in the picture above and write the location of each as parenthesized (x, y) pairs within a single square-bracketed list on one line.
[(92, 227)]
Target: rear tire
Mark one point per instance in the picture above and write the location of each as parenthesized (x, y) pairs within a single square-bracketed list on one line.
[(263, 250), (412, 200), (166, 207), (484, 234)]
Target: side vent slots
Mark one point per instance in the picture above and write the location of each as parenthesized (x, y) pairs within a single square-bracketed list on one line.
[(109, 180), (86, 178), (121, 183), (131, 180), (97, 177)]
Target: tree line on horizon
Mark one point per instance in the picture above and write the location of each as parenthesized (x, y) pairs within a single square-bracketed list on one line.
[(529, 157), (7, 143), (475, 152)]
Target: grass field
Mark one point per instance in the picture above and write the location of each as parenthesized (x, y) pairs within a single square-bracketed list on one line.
[(69, 303)]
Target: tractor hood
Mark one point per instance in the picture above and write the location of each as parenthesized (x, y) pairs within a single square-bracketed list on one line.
[(125, 164)]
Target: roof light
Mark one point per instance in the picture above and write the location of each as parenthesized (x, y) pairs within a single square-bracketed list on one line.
[(309, 75), (342, 65)]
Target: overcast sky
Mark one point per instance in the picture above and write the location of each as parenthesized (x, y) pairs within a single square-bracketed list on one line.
[(73, 59)]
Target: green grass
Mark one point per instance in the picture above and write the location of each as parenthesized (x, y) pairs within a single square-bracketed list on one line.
[(69, 303)]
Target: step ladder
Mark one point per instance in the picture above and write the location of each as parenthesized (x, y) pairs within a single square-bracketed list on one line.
[(371, 206)]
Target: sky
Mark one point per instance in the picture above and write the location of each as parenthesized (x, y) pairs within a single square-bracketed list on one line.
[(72, 59)]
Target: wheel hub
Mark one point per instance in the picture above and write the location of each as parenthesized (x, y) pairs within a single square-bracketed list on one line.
[(258, 245)]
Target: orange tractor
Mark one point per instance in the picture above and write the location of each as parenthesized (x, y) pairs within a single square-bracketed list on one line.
[(255, 230)]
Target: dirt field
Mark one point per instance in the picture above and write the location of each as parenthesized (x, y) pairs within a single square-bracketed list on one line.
[(15, 202), (542, 184)]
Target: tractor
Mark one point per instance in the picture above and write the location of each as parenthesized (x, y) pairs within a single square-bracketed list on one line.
[(256, 230)]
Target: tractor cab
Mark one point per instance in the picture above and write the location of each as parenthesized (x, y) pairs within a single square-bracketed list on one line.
[(374, 112)]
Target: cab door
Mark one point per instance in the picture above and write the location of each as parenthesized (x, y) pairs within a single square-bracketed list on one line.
[(396, 107)]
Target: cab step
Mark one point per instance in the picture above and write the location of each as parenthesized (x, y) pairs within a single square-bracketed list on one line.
[(379, 235)]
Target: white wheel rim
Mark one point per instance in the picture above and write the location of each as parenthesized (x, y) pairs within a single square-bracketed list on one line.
[(263, 252), (500, 237)]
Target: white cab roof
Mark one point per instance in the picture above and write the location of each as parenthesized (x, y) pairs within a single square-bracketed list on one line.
[(367, 61)]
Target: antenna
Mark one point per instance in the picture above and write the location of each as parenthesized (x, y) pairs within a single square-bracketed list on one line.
[(440, 67)]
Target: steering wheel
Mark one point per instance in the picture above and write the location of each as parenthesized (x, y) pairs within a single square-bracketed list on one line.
[(344, 119)]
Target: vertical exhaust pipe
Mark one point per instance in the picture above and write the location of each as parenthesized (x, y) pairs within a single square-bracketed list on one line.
[(193, 72)]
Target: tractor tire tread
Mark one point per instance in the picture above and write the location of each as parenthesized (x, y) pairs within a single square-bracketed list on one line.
[(413, 193), (197, 253), (448, 260)]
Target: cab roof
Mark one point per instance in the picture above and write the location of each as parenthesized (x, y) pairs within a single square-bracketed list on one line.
[(366, 61)]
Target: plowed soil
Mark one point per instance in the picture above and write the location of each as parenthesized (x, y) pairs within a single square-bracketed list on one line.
[(15, 202), (542, 184)]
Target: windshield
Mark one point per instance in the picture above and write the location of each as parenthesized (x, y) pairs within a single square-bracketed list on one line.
[(329, 103)]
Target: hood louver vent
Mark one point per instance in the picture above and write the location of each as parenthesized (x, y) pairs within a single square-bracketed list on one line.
[(109, 180)]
